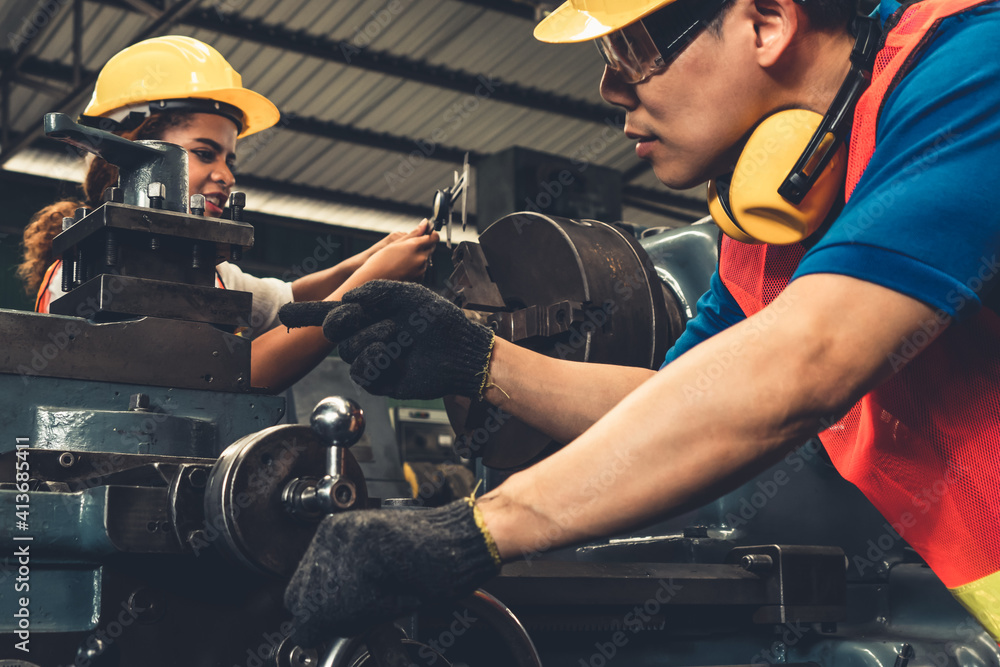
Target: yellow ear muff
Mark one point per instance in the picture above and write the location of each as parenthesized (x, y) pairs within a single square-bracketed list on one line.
[(753, 211)]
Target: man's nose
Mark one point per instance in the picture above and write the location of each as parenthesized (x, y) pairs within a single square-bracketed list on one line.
[(615, 91)]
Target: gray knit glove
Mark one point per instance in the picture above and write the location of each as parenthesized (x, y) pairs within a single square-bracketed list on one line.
[(402, 340), (369, 567)]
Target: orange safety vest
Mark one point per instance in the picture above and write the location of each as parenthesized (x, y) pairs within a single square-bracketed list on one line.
[(924, 446), (45, 296)]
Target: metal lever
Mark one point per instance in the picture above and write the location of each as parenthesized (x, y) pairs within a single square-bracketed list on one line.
[(140, 163), (340, 423)]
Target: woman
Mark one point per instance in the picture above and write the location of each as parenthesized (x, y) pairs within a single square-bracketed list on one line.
[(182, 91)]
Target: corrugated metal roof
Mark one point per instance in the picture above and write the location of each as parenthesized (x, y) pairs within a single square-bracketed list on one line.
[(463, 37)]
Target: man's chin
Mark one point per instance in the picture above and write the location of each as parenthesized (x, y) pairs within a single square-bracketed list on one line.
[(679, 181)]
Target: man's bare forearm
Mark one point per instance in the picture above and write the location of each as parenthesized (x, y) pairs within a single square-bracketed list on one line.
[(712, 419), (560, 398)]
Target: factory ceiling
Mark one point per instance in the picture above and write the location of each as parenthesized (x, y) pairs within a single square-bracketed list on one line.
[(380, 99)]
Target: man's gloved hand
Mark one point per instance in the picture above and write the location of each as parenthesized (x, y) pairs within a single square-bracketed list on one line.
[(402, 340), (371, 566)]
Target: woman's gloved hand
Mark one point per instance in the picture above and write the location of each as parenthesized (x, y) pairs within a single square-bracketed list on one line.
[(372, 566), (402, 340)]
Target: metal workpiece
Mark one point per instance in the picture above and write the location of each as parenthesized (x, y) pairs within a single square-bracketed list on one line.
[(133, 226), (140, 163), (37, 405), (572, 289), (192, 355), (803, 583), (471, 284), (110, 297), (807, 585), (684, 259), (254, 496)]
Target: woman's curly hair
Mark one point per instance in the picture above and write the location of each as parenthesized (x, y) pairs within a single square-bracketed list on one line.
[(47, 223)]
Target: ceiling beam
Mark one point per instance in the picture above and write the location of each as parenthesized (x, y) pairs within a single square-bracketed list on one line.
[(637, 196), (339, 197), (347, 54), (170, 16)]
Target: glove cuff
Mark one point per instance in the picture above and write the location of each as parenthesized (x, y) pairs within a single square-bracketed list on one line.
[(471, 360), (474, 557)]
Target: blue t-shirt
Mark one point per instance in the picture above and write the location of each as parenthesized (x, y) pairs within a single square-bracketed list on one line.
[(924, 220)]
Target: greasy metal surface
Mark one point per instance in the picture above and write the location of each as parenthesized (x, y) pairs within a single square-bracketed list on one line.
[(139, 242), (151, 611), (471, 281), (138, 520), (538, 321), (243, 499), (537, 262), (685, 259), (233, 415), (547, 583), (125, 432), (79, 469), (132, 218), (110, 295), (191, 355)]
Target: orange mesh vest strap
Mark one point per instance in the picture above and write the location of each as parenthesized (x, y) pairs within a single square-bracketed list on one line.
[(44, 296), (901, 46), (924, 447)]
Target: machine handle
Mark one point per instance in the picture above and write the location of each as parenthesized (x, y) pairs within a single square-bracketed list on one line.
[(110, 147)]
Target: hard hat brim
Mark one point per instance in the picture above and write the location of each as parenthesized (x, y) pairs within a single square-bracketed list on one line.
[(567, 24), (259, 113)]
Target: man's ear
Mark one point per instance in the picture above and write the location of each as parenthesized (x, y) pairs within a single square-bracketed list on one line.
[(776, 22)]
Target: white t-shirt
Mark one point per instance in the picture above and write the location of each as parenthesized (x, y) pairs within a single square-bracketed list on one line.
[(269, 294)]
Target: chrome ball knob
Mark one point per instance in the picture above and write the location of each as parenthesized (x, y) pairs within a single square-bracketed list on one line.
[(339, 421)]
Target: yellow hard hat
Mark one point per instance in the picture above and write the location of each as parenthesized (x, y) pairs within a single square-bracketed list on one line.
[(582, 20), (172, 70)]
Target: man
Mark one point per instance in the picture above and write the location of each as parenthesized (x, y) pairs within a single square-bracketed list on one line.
[(880, 320)]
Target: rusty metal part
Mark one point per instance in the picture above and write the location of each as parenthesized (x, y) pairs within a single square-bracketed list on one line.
[(573, 289), (245, 502)]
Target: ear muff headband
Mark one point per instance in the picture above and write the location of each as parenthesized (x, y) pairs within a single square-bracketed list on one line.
[(780, 193)]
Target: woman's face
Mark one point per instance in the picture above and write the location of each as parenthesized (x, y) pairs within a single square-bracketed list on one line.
[(210, 141)]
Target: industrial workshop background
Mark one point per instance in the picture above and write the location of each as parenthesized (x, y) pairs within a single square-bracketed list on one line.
[(380, 101)]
